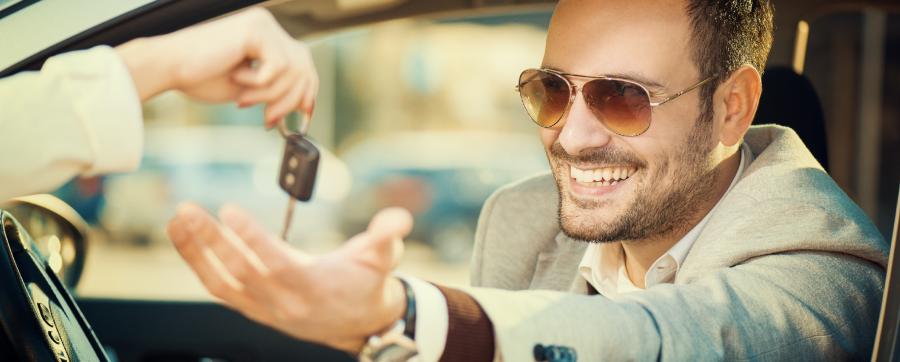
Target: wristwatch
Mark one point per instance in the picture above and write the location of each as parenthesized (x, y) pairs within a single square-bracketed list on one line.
[(398, 343)]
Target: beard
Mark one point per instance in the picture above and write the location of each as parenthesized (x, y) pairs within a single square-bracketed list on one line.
[(655, 211)]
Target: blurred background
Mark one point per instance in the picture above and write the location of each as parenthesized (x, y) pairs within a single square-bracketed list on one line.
[(421, 113)]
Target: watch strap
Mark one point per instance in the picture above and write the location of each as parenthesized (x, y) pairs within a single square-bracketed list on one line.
[(409, 317)]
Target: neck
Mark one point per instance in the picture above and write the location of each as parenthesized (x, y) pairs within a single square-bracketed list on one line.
[(642, 253)]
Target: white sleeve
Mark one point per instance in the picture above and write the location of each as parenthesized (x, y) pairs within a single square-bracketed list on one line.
[(431, 319), (80, 115)]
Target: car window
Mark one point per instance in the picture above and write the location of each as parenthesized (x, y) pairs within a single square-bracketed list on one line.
[(418, 113), (853, 61), (50, 22)]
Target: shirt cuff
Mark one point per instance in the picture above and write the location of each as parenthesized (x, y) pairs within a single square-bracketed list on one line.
[(110, 112), (431, 319)]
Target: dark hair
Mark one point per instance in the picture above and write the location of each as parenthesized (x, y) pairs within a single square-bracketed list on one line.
[(726, 35)]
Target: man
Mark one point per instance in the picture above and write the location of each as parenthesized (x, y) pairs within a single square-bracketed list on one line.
[(81, 114), (669, 229)]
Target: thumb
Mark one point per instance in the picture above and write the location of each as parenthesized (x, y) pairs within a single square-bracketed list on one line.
[(381, 245)]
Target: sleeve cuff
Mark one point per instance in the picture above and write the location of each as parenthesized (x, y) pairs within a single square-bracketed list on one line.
[(110, 115), (431, 319), (470, 333)]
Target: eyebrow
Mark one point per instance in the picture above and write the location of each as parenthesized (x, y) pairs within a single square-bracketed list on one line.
[(633, 76), (639, 78)]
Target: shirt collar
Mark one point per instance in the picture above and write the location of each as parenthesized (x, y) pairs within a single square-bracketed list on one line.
[(601, 262)]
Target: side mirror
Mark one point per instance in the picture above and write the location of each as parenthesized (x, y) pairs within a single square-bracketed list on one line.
[(59, 233)]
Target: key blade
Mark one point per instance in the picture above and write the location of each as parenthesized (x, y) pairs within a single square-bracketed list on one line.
[(288, 217)]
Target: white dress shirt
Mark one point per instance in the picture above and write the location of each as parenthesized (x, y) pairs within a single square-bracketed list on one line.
[(603, 264), (79, 115)]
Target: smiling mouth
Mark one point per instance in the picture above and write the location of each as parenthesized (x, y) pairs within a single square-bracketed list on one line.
[(602, 176)]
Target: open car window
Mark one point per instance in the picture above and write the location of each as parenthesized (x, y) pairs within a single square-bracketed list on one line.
[(50, 22), (418, 113)]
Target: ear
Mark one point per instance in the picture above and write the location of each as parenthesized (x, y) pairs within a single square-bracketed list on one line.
[(741, 97)]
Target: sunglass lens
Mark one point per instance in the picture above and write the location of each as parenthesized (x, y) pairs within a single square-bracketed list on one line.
[(545, 96), (622, 106)]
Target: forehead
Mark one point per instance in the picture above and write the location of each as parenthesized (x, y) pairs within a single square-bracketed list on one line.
[(641, 37)]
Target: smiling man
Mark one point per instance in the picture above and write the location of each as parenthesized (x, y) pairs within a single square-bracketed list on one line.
[(668, 228)]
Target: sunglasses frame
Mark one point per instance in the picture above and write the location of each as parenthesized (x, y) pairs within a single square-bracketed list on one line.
[(574, 90)]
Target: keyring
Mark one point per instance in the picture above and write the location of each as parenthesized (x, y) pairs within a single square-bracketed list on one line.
[(285, 132)]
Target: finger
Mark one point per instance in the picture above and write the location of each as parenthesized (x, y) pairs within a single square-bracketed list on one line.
[(244, 75), (269, 61), (391, 222), (272, 63), (266, 94), (233, 255), (382, 244), (201, 260), (308, 102), (274, 253), (281, 107)]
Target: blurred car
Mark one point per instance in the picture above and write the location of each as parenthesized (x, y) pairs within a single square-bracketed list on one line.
[(443, 178)]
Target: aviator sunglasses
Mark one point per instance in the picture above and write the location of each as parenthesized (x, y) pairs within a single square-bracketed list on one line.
[(622, 105)]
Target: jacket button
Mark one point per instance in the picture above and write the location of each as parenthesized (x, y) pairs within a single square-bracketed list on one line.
[(551, 353), (539, 353)]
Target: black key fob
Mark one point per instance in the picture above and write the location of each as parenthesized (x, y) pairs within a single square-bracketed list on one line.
[(298, 167)]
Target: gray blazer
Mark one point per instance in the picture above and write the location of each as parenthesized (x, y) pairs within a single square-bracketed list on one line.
[(788, 268)]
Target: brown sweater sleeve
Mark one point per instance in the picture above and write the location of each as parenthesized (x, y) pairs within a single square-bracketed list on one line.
[(470, 334)]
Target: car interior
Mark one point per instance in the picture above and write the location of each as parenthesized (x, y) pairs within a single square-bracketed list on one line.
[(43, 317)]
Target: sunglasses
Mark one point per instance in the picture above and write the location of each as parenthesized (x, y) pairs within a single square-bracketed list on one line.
[(622, 105)]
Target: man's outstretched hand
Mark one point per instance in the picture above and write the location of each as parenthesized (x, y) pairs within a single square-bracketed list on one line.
[(337, 299)]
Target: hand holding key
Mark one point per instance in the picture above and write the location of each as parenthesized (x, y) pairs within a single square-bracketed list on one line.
[(246, 58), (298, 168)]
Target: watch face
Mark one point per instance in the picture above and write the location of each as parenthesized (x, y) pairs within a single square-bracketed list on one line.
[(394, 353), (392, 346)]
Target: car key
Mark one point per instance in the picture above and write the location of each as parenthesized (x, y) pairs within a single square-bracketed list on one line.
[(298, 169)]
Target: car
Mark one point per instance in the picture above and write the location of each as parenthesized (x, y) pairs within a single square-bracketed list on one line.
[(441, 180), (398, 77)]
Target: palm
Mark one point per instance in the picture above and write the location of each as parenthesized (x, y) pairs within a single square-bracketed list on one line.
[(338, 298)]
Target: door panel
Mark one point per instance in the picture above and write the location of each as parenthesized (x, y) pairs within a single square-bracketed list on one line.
[(145, 331)]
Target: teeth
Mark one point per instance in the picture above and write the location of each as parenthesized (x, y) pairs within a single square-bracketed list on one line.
[(581, 175), (605, 176)]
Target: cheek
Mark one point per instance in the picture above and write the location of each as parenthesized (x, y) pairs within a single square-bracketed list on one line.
[(548, 137), (659, 159)]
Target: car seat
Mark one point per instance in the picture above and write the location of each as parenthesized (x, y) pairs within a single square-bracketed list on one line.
[(789, 99)]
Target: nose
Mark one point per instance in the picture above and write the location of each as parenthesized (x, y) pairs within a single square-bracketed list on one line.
[(581, 130)]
